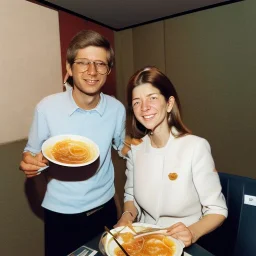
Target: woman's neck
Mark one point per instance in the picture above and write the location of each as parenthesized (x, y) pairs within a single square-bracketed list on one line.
[(159, 138)]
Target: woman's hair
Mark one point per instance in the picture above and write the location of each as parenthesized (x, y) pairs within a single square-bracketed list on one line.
[(87, 38), (153, 76)]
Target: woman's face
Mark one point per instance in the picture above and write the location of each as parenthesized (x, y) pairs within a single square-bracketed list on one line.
[(150, 107)]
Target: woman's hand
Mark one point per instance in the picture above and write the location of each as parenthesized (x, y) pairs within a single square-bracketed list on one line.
[(125, 220), (181, 232), (122, 223), (31, 164)]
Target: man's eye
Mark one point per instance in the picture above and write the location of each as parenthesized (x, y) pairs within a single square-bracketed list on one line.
[(81, 63), (100, 64), (153, 97)]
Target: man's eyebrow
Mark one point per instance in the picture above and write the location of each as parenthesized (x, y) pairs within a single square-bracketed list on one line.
[(101, 61)]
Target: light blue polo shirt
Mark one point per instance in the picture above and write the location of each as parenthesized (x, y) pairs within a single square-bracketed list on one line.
[(105, 124)]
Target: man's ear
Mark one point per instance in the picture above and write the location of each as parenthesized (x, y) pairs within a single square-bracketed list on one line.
[(170, 104), (69, 69), (66, 78), (109, 71)]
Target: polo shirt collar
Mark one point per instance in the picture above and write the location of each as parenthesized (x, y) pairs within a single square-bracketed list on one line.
[(72, 106)]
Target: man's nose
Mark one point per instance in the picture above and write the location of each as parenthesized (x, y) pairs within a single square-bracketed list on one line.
[(92, 69)]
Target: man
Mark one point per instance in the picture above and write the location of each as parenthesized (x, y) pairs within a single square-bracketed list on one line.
[(76, 211)]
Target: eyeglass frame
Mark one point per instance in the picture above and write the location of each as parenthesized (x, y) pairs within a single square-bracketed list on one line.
[(94, 62)]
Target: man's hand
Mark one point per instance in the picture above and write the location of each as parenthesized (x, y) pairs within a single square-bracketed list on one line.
[(31, 164)]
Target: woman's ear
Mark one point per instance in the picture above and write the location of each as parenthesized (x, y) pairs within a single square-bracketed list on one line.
[(109, 71), (170, 104)]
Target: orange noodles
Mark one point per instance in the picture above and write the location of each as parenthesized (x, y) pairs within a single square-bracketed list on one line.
[(70, 151), (149, 245)]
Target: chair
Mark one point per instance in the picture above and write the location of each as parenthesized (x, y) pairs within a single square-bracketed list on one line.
[(237, 235)]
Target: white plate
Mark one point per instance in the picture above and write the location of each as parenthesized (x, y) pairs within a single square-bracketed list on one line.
[(110, 244), (51, 141)]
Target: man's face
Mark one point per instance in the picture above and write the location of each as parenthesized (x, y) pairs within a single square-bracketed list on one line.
[(90, 81)]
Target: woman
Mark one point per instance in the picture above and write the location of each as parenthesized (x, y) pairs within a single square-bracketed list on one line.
[(171, 177)]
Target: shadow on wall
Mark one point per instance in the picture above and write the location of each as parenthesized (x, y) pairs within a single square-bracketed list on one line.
[(35, 189)]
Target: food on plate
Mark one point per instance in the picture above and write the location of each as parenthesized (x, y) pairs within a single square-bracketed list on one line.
[(71, 151), (148, 245)]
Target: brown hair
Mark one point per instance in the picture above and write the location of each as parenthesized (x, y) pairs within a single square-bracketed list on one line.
[(84, 39), (156, 78)]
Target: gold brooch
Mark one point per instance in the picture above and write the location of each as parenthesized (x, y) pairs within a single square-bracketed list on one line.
[(173, 175)]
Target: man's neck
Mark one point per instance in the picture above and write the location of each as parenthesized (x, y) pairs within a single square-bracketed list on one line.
[(85, 101)]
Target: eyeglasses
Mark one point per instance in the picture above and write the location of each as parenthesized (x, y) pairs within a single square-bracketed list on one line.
[(83, 65)]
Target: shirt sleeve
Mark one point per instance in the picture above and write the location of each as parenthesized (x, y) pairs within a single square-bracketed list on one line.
[(119, 135), (128, 188), (206, 180), (39, 132)]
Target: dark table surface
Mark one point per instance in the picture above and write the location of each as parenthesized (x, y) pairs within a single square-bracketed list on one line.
[(194, 250)]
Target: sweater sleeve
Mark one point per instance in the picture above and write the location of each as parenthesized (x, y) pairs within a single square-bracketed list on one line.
[(206, 180)]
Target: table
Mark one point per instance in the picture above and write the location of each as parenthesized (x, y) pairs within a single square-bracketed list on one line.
[(194, 250)]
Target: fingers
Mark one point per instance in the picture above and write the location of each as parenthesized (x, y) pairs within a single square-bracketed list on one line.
[(177, 227), (41, 160), (29, 169), (184, 237), (125, 150), (38, 161), (121, 223), (31, 164), (181, 232)]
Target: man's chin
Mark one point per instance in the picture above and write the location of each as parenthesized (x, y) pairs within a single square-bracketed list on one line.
[(90, 92)]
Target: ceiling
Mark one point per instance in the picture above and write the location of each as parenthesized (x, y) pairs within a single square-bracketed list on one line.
[(122, 14)]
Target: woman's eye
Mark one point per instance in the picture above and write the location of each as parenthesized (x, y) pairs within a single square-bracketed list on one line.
[(135, 104), (153, 97)]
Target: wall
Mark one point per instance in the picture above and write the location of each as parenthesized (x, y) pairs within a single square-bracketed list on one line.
[(30, 55), (210, 58), (30, 68)]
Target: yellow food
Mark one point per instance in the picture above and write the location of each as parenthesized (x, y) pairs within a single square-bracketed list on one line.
[(149, 245), (70, 151)]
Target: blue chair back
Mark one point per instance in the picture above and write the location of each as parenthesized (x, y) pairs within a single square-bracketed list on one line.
[(237, 235)]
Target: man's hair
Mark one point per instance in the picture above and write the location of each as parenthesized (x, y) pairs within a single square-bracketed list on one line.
[(87, 38)]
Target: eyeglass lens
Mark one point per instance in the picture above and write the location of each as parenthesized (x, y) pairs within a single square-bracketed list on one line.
[(84, 64)]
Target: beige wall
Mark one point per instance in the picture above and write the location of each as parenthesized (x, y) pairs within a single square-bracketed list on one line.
[(30, 64), (30, 68), (210, 58)]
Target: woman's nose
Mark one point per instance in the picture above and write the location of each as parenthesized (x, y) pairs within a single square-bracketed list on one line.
[(145, 106)]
